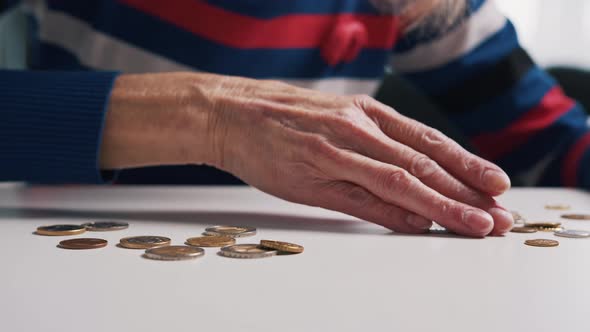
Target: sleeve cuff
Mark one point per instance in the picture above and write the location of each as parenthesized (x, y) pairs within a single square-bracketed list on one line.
[(51, 125)]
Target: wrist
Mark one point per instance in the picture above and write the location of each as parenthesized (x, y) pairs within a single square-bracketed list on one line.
[(157, 119)]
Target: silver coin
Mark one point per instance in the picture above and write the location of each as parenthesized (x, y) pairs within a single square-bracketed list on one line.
[(174, 253), (246, 251), (572, 233), (232, 231), (101, 226)]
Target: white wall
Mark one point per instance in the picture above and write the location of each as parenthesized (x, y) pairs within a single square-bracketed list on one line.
[(553, 31)]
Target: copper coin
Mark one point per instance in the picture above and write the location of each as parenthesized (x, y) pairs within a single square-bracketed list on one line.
[(144, 242), (57, 230), (523, 230), (576, 216), (84, 243), (541, 243), (282, 246), (210, 241)]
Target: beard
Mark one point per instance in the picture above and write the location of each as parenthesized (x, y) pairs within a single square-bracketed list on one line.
[(391, 6)]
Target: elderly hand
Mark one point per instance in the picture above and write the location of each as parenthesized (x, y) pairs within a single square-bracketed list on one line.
[(345, 153)]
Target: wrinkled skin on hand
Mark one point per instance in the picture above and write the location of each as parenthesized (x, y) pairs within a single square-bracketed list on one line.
[(351, 154)]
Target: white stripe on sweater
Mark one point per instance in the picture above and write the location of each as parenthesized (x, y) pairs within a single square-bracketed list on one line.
[(97, 50), (461, 40)]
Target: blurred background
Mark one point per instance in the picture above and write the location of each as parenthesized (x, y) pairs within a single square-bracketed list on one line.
[(554, 32)]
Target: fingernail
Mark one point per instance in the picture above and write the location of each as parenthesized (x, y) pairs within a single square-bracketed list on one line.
[(478, 221), (503, 220), (496, 180), (417, 221)]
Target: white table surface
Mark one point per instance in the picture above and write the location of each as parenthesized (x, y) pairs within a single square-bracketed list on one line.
[(353, 276)]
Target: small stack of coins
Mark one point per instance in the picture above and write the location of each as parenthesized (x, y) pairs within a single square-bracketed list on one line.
[(555, 227), (81, 243)]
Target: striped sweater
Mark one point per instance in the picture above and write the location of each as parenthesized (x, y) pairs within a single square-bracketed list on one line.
[(51, 115)]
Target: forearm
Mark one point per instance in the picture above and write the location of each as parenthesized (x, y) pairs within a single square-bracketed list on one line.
[(159, 119)]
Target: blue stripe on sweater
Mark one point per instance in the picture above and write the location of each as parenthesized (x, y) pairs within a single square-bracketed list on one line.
[(272, 9), (440, 80), (184, 47), (520, 99)]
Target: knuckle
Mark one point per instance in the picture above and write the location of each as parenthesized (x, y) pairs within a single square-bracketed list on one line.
[(434, 138), (316, 145), (362, 101), (444, 209), (398, 180), (472, 165), (421, 166)]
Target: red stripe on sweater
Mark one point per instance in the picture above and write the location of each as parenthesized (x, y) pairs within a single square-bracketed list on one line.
[(569, 171), (289, 31), (495, 145)]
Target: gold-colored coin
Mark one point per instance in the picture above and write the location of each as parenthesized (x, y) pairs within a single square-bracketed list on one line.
[(174, 253), (541, 243), (144, 242), (576, 216), (523, 230), (549, 229), (542, 224), (60, 230), (211, 241), (557, 207), (85, 243), (282, 246), (233, 231)]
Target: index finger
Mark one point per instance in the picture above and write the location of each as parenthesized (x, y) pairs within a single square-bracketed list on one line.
[(465, 166)]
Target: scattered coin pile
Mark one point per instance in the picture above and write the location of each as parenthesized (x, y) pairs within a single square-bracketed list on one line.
[(160, 248), (555, 227)]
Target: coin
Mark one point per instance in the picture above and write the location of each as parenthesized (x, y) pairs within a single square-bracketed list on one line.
[(246, 251), (174, 253), (144, 242), (557, 207), (541, 243), (542, 224), (282, 246), (549, 229), (56, 230), (210, 241), (100, 226), (233, 231), (576, 216), (523, 230), (572, 233), (84, 243)]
